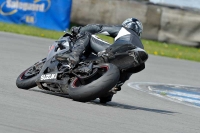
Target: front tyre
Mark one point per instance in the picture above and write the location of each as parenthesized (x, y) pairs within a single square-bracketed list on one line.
[(99, 84), (26, 79)]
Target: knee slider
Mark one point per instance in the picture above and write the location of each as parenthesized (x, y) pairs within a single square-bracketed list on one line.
[(143, 56)]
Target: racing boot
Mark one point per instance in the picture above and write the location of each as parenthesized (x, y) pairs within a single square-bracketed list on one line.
[(74, 57), (106, 98)]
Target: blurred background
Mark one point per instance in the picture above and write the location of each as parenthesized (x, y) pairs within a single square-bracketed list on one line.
[(172, 21), (165, 22)]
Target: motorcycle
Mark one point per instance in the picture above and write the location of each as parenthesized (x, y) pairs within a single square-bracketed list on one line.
[(87, 81)]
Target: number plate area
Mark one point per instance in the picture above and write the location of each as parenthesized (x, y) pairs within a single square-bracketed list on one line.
[(48, 76)]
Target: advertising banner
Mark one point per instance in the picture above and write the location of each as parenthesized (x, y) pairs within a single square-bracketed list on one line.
[(47, 14)]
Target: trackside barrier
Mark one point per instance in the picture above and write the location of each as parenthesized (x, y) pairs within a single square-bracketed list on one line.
[(47, 14), (162, 23)]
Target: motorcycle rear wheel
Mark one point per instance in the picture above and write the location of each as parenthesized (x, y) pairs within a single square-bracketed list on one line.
[(100, 83)]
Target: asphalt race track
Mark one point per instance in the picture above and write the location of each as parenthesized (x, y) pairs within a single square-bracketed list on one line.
[(131, 110)]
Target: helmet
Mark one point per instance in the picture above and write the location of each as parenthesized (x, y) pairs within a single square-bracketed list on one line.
[(133, 24)]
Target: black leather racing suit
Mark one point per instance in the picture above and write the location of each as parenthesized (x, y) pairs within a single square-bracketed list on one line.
[(87, 43), (121, 35)]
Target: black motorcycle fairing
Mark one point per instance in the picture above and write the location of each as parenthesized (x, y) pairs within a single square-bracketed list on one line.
[(51, 73)]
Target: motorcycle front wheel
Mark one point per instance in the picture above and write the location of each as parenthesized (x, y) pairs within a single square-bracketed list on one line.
[(26, 79)]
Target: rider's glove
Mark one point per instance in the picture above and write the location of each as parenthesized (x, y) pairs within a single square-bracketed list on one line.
[(75, 30)]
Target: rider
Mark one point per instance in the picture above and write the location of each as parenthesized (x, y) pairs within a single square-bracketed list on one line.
[(126, 37)]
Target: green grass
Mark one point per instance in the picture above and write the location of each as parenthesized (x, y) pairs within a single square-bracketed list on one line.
[(152, 47), (30, 30), (172, 50)]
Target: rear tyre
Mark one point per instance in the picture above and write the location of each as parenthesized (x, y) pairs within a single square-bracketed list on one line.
[(99, 84), (26, 79)]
